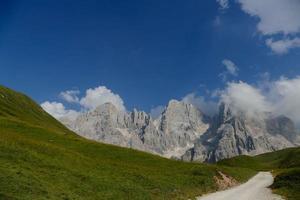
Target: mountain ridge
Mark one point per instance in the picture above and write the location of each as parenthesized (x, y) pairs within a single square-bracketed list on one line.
[(41, 159), (139, 130), (183, 131)]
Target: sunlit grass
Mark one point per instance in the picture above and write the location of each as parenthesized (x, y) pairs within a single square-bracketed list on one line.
[(41, 159)]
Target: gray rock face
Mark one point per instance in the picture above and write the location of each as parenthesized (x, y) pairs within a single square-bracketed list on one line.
[(174, 132), (282, 126), (182, 131), (231, 135)]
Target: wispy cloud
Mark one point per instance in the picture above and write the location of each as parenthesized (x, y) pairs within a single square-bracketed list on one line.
[(223, 4), (283, 46), (230, 69), (70, 96)]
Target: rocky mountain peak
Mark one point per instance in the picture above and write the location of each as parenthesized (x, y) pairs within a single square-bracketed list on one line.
[(225, 113), (232, 134), (183, 131), (282, 125)]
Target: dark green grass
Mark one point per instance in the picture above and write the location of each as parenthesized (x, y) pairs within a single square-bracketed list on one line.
[(38, 164), (41, 159), (287, 183), (284, 164)]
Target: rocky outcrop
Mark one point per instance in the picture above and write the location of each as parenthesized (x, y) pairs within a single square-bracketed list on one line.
[(231, 135), (171, 135), (183, 132)]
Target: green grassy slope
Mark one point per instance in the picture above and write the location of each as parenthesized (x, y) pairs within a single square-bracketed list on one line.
[(41, 159), (285, 165), (19, 107)]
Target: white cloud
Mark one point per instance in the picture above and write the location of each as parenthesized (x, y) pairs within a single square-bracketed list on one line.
[(284, 95), (283, 46), (276, 17), (223, 4), (231, 69), (58, 110), (208, 107), (94, 97), (100, 95), (70, 96), (279, 97), (242, 97), (156, 111)]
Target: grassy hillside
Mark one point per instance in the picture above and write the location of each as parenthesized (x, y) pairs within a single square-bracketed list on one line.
[(285, 165), (41, 159)]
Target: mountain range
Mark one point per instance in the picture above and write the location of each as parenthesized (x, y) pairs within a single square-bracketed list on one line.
[(40, 158), (183, 131)]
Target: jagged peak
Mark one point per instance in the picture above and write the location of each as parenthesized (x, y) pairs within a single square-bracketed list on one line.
[(225, 112)]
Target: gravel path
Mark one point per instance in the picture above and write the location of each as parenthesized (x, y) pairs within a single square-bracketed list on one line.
[(255, 189)]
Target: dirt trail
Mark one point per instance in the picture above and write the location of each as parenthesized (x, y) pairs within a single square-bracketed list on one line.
[(255, 189)]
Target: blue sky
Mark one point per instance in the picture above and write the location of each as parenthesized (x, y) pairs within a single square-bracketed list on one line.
[(146, 52)]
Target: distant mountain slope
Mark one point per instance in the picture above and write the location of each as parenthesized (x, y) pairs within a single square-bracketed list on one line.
[(233, 134), (41, 159), (285, 165), (171, 135), (182, 131)]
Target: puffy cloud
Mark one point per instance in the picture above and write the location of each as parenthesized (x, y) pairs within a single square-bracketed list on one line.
[(58, 110), (93, 98), (208, 107), (242, 97), (70, 96), (283, 46), (156, 111), (100, 95), (276, 17), (284, 95), (231, 69), (280, 97), (224, 4)]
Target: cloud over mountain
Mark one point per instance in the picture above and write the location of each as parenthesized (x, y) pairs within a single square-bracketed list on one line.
[(206, 106), (284, 95), (242, 97), (93, 98), (58, 110), (97, 96), (280, 97)]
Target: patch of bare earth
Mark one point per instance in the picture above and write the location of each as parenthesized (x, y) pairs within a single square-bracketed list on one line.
[(224, 181)]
